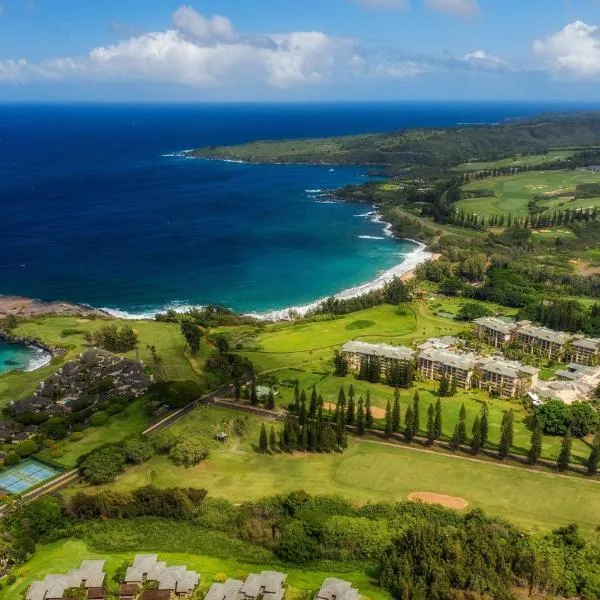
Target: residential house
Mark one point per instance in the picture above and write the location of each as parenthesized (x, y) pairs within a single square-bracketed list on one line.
[(267, 585), (494, 331), (576, 383), (89, 575), (156, 595), (176, 580), (356, 352), (337, 589), (128, 591), (228, 590)]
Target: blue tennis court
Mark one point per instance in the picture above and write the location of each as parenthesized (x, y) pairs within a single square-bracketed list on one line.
[(25, 475)]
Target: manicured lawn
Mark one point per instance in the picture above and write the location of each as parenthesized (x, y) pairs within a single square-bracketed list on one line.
[(176, 363), (517, 161), (369, 471), (64, 555), (130, 422), (512, 193)]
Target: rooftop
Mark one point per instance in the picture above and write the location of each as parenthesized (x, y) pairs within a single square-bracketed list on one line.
[(496, 324), (337, 589), (442, 343), (267, 582), (455, 360), (148, 567), (543, 333), (383, 350), (507, 368), (53, 586), (587, 343), (229, 590)]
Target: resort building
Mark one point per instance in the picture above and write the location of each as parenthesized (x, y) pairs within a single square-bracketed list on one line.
[(494, 331), (434, 364), (505, 378), (268, 585), (90, 576), (446, 342), (541, 340), (337, 589), (586, 351), (356, 352), (173, 580)]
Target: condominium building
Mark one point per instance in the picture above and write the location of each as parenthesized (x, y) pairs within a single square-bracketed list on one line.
[(434, 364), (586, 351), (494, 331), (541, 340), (356, 352), (504, 377)]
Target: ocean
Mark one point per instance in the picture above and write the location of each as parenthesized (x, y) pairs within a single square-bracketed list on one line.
[(97, 208), (16, 356)]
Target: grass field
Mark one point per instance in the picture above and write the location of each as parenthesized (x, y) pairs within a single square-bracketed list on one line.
[(64, 555), (370, 472), (512, 193), (517, 161), (133, 420), (177, 364)]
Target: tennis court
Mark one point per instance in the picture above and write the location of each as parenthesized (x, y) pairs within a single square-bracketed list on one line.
[(25, 475)]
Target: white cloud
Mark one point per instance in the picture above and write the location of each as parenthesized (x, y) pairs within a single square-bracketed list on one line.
[(385, 4), (401, 70), (481, 60), (458, 7), (574, 50), (198, 52)]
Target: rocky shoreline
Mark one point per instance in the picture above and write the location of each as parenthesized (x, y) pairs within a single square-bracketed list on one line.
[(32, 343), (20, 306)]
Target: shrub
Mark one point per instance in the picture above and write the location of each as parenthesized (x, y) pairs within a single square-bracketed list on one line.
[(99, 418), (175, 394), (164, 440), (556, 418), (26, 448), (102, 465), (189, 451), (11, 580), (138, 450), (56, 451), (12, 458), (220, 578), (76, 436)]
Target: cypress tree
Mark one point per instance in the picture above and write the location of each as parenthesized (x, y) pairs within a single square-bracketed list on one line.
[(452, 388), (535, 450), (253, 395), (297, 396), (340, 432), (303, 399), (303, 439), (396, 414), (462, 425), (416, 413), (443, 389), (270, 400), (388, 420), (272, 440), (341, 402), (594, 457), (485, 425), (476, 439), (351, 412), (430, 424), (368, 413), (312, 409), (237, 387), (564, 458), (409, 427), (360, 418), (263, 442), (438, 420), (302, 413), (351, 392), (506, 436), (455, 439)]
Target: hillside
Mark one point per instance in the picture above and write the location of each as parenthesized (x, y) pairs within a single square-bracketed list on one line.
[(426, 147)]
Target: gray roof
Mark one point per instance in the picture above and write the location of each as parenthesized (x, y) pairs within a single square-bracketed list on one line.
[(587, 344), (383, 350), (337, 589), (229, 590), (147, 566), (543, 333), (508, 368), (441, 343), (267, 583), (496, 324), (466, 361), (53, 586)]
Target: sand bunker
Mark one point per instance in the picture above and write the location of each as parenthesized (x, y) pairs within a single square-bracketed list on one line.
[(378, 413), (442, 499)]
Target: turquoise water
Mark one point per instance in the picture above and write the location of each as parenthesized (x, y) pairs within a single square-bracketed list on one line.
[(15, 356)]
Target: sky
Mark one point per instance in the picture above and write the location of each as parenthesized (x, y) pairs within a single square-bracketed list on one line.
[(298, 50)]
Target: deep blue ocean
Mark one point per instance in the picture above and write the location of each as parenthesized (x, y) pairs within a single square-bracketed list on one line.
[(94, 210)]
